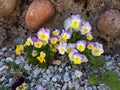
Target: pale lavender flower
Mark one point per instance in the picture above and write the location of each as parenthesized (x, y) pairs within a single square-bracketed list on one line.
[(70, 47), (78, 73), (73, 22), (90, 45), (44, 34), (65, 36), (56, 32), (77, 58), (53, 39), (71, 54), (86, 28), (97, 50), (81, 45), (62, 48)]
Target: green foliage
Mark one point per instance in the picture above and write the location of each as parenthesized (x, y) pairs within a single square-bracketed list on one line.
[(4, 88), (110, 78), (93, 80), (76, 36), (33, 60), (97, 62)]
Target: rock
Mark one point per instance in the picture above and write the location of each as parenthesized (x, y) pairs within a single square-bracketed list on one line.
[(4, 49), (1, 53), (3, 36), (89, 88), (57, 85), (48, 71), (36, 72), (54, 79), (7, 7), (65, 86), (3, 68), (70, 85), (38, 13), (27, 67), (9, 59), (108, 24), (77, 86), (57, 62), (60, 70), (66, 77)]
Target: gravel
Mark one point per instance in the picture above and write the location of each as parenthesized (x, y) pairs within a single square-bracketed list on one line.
[(56, 77)]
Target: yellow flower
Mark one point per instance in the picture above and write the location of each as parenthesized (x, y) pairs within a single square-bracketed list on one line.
[(53, 40), (38, 44), (75, 24), (89, 46), (81, 47), (77, 60), (19, 48), (22, 87), (29, 42), (89, 37), (43, 37), (96, 52), (41, 58), (69, 50), (62, 39)]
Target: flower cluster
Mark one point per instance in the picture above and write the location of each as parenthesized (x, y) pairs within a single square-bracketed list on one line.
[(75, 40)]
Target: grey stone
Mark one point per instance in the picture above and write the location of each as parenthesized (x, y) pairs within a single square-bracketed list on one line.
[(9, 59), (57, 62), (1, 53), (4, 49), (66, 77), (89, 88), (27, 67), (60, 69), (57, 85), (48, 71), (65, 86), (54, 79)]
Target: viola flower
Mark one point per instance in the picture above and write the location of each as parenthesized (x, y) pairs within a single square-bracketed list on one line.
[(81, 45), (19, 48), (53, 39), (90, 45), (56, 32), (77, 58), (86, 28), (89, 36), (71, 54), (62, 48), (22, 87), (78, 73), (19, 82), (70, 47), (65, 36), (44, 34), (38, 44), (29, 42), (34, 53), (73, 22), (97, 50), (41, 57), (53, 47), (85, 59)]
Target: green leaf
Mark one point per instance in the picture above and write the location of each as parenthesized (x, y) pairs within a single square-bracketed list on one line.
[(110, 78), (93, 80), (97, 62)]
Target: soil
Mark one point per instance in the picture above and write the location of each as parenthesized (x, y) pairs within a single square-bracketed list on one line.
[(17, 30)]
